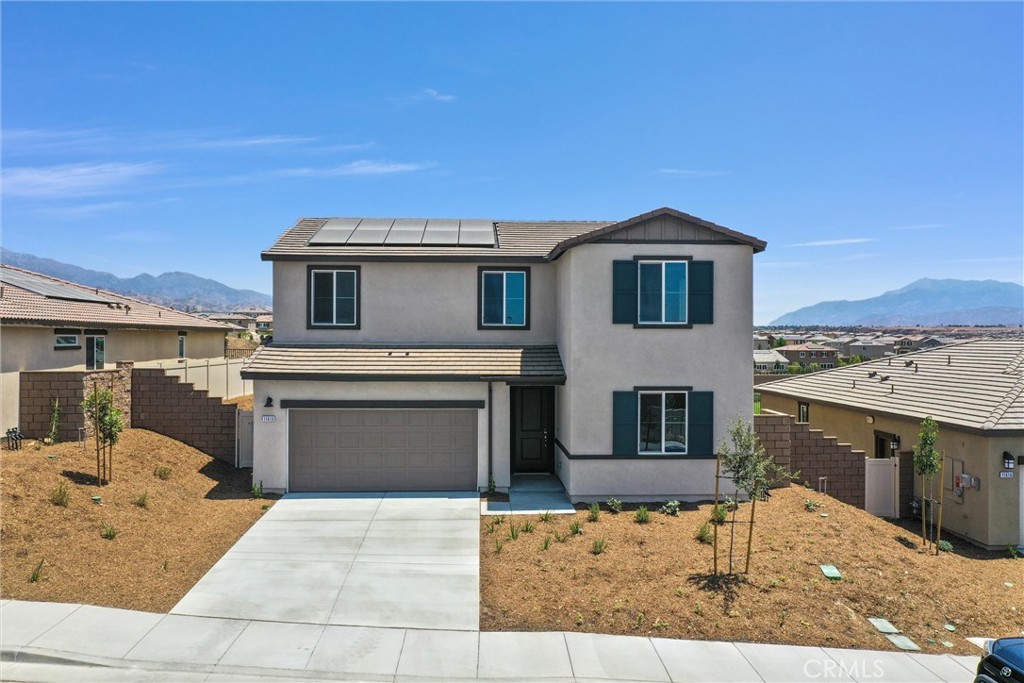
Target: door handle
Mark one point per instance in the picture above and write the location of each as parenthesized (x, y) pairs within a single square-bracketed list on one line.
[(545, 438)]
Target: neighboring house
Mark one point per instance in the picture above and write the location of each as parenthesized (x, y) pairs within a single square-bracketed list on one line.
[(52, 324), (867, 349), (974, 390), (251, 312), (444, 354), (265, 323), (769, 361), (762, 342), (244, 323), (809, 354)]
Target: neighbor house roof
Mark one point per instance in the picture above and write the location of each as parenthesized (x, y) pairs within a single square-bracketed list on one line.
[(405, 362), (805, 347), (514, 240), (34, 299), (769, 356), (975, 384)]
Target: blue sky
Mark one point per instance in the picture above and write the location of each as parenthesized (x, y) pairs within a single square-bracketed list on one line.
[(869, 144)]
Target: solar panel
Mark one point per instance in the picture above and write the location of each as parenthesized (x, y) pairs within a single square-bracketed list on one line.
[(476, 233), (49, 288), (441, 232), (371, 231), (406, 231), (335, 231)]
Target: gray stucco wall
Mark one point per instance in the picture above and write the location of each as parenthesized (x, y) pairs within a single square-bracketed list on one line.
[(412, 302)]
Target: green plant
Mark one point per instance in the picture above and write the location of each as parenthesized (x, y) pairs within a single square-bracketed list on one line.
[(704, 533), (659, 624), (492, 487), (719, 514), (264, 507), (546, 544), (161, 472), (60, 495), (945, 546), (37, 573), (640, 618), (108, 532), (497, 546), (499, 519), (528, 526), (164, 566), (53, 435), (579, 619), (256, 489), (927, 462), (513, 531), (491, 526), (575, 527), (698, 609), (811, 505), (615, 505), (142, 500), (107, 420), (670, 508), (560, 538), (597, 547), (595, 512), (642, 515), (1012, 552), (546, 517)]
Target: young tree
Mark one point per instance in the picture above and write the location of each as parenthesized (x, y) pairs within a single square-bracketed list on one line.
[(107, 424), (927, 461)]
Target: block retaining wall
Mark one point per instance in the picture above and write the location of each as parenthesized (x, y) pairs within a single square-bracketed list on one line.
[(37, 391)]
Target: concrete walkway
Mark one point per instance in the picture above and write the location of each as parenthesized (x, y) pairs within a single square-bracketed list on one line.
[(532, 494), (54, 642), (395, 560)]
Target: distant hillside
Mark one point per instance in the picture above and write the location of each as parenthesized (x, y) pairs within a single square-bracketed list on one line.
[(177, 290), (924, 302)]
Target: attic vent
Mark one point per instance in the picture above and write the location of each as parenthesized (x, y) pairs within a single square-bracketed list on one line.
[(873, 373)]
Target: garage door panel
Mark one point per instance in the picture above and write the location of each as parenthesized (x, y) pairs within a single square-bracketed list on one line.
[(375, 450)]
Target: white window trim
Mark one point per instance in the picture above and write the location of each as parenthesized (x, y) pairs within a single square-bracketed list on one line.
[(57, 343), (334, 298), (661, 310), (504, 297), (91, 341), (686, 423)]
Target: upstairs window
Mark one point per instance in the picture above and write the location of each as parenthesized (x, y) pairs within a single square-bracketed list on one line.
[(334, 297), (662, 292), (504, 297)]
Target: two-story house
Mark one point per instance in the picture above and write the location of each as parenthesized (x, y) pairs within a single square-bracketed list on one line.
[(809, 354), (419, 354)]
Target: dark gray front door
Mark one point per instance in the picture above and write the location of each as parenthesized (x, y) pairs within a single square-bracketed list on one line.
[(533, 429)]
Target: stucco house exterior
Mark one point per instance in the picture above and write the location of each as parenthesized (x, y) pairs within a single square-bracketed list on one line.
[(973, 389), (417, 354), (807, 354), (51, 324)]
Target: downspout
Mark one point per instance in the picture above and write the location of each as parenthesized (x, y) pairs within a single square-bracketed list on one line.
[(490, 438)]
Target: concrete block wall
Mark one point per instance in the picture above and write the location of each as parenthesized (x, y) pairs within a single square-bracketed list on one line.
[(163, 404), (38, 390), (813, 454)]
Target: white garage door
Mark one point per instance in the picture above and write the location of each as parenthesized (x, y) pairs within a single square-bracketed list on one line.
[(382, 450)]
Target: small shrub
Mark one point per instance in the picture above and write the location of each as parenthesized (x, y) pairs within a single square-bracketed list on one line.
[(164, 566), (595, 512), (945, 546), (499, 519), (53, 436), (37, 573), (1012, 551), (491, 526), (615, 505), (264, 507), (60, 495), (659, 624), (811, 505), (497, 546), (642, 515), (257, 489), (597, 547), (575, 527), (492, 487), (529, 526), (560, 538), (162, 472), (670, 508), (513, 531), (546, 517), (719, 514), (704, 533), (579, 619), (698, 609), (546, 544), (108, 532), (142, 500)]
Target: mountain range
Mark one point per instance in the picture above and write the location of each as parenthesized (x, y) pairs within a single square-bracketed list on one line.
[(923, 302), (183, 291)]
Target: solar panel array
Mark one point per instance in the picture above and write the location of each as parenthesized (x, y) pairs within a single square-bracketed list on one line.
[(406, 232), (49, 288)]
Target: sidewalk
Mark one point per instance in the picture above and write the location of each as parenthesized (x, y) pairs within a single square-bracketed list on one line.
[(54, 642)]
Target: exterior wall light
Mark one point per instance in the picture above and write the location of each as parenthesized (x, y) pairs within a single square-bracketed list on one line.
[(269, 403), (1008, 461), (895, 443)]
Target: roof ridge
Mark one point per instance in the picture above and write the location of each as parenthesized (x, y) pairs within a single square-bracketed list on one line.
[(1008, 400)]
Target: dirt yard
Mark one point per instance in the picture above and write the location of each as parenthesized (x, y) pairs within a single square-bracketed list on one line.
[(169, 532), (241, 402), (654, 579)]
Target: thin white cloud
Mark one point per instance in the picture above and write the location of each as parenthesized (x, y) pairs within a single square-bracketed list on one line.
[(74, 180), (435, 96), (691, 173), (264, 141), (920, 226), (836, 243), (362, 167), (423, 95)]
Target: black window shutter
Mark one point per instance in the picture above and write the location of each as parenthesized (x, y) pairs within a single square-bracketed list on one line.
[(701, 416), (624, 292), (702, 292), (625, 423)]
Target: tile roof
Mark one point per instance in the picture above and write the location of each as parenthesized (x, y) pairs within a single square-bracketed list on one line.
[(391, 363), (21, 306), (769, 356), (516, 240), (975, 384), (805, 347)]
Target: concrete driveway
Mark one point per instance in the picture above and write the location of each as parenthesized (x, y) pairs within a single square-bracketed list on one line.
[(401, 560)]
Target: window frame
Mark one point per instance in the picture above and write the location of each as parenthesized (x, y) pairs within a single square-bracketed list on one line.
[(803, 410), (640, 393), (481, 271), (60, 342), (357, 295), (90, 346), (181, 346), (663, 262)]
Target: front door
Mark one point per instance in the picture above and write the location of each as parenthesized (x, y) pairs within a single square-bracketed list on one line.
[(533, 429)]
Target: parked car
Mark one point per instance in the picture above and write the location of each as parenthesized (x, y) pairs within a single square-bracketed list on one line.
[(1004, 662)]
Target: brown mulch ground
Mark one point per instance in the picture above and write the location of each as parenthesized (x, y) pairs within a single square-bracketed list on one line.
[(653, 579), (160, 551), (241, 402)]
